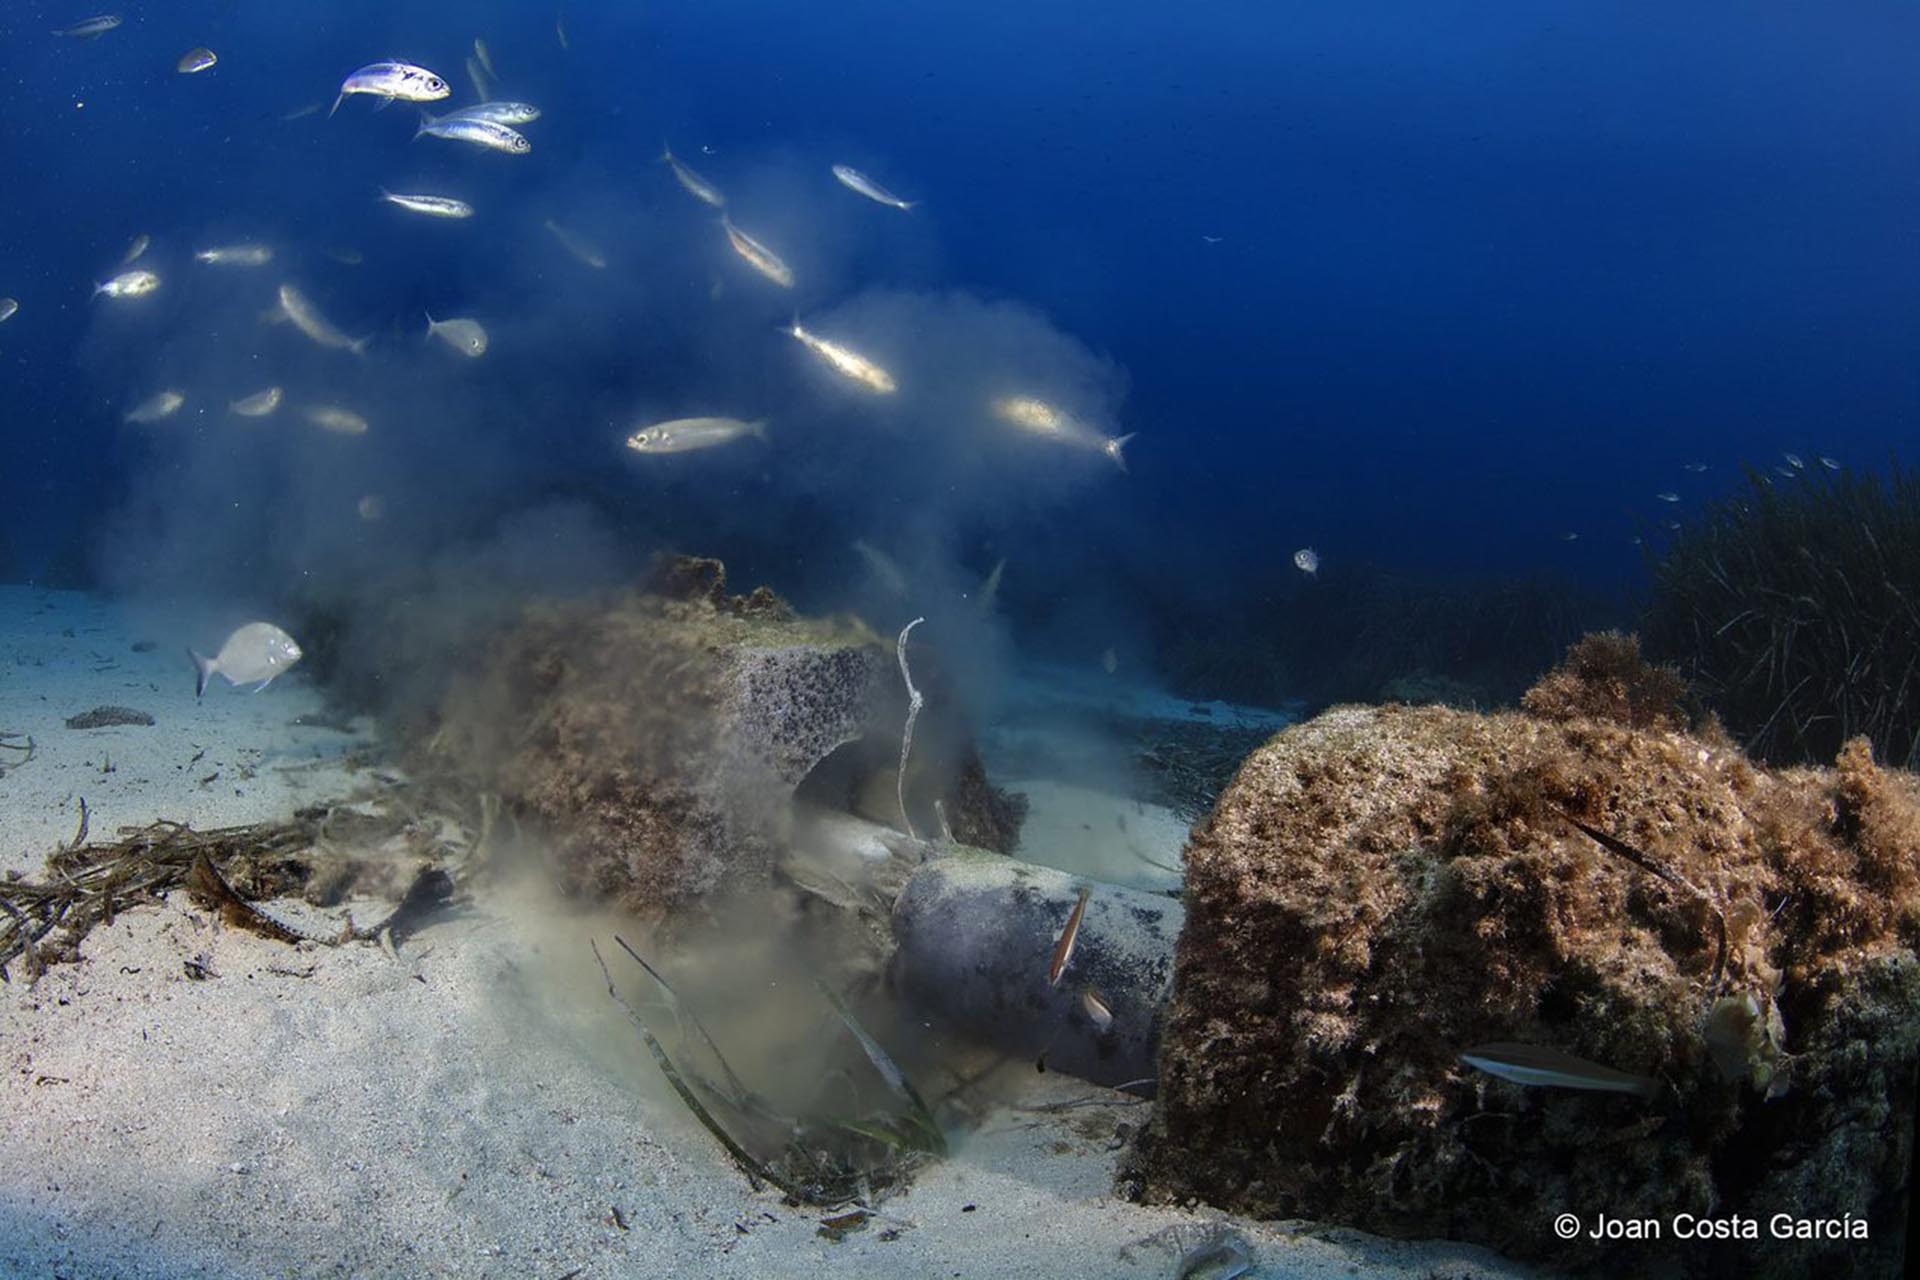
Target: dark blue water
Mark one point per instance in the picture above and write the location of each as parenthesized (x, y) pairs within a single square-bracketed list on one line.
[(1427, 287)]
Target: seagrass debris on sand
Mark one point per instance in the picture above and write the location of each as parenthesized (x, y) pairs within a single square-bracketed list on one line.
[(1381, 888), (229, 869), (825, 1158)]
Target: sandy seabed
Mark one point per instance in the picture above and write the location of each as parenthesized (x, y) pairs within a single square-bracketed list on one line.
[(471, 1107)]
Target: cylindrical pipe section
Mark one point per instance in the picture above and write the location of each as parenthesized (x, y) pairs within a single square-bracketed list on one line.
[(977, 934)]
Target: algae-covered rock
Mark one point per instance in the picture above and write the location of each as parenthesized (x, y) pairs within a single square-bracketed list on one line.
[(1382, 888), (657, 739)]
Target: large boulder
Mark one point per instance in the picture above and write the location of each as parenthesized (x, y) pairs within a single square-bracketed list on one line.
[(656, 740), (1382, 888)]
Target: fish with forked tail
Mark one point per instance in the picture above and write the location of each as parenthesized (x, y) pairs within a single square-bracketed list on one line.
[(255, 654)]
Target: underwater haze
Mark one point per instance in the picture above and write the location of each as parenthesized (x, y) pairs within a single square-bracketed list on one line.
[(730, 638), (1444, 290)]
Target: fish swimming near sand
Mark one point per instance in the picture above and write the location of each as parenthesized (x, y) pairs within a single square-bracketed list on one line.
[(758, 256), (1037, 417), (256, 654), (687, 435), (854, 180), (400, 81), (882, 566), (844, 361), (468, 337), (496, 112), (584, 251), (1539, 1067), (342, 422), (1063, 950), (129, 284), (481, 133), (696, 186), (1094, 1005), (990, 589), (91, 29), (306, 317), (258, 405), (157, 407), (235, 255), (432, 206)]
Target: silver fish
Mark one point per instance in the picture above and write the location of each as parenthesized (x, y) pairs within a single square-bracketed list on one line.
[(883, 567), (9, 307), (467, 337), (135, 250), (1307, 561), (497, 112), (194, 61), (391, 80), (684, 435), (432, 206), (1097, 1010), (256, 654), (698, 187), (156, 407), (91, 29), (1538, 1067), (758, 256), (258, 405), (371, 507), (1063, 950), (1830, 464), (583, 249), (1222, 1256), (560, 34), (1042, 419), (344, 422), (1667, 496), (1793, 460), (990, 588), (129, 284), (481, 133), (478, 79), (854, 180), (1696, 467), (486, 58), (235, 255), (843, 361), (306, 317)]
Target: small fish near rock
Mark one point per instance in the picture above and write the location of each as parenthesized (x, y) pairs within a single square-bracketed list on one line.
[(108, 717)]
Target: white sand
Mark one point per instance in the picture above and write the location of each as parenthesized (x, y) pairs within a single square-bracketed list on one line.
[(1091, 832), (474, 1108), (229, 758)]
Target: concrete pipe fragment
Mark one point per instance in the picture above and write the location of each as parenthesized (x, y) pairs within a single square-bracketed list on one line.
[(977, 933)]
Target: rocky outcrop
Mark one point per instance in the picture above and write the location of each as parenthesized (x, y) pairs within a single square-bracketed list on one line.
[(656, 740), (1381, 888)]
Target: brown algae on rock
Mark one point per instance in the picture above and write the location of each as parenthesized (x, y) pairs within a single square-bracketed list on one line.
[(1381, 888)]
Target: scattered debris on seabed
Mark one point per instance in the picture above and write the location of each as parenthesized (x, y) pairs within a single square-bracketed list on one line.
[(318, 856)]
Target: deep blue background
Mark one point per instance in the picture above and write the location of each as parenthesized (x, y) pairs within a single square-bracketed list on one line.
[(1485, 274)]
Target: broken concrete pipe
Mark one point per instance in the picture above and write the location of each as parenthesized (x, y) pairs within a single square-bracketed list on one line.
[(977, 933)]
